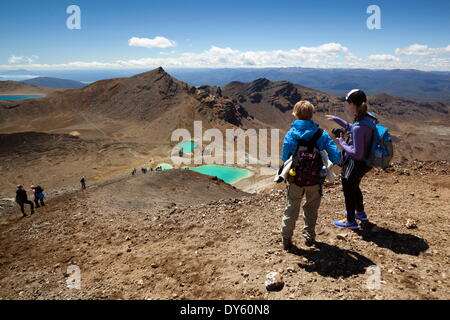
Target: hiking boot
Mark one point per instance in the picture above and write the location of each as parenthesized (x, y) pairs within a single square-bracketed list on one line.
[(287, 244), (310, 242), (344, 223), (24, 215), (359, 216)]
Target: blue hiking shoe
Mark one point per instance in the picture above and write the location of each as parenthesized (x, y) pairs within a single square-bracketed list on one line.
[(344, 223), (359, 216)]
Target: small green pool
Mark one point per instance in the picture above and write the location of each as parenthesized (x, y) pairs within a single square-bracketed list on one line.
[(187, 146), (228, 174), (164, 166)]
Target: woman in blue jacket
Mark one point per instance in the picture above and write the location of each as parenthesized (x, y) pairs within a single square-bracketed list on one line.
[(304, 129)]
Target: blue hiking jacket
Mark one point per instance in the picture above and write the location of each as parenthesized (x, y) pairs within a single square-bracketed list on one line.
[(305, 130)]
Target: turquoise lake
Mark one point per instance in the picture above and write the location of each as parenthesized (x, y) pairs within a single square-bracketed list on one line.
[(228, 174), (164, 166), (187, 146), (11, 97)]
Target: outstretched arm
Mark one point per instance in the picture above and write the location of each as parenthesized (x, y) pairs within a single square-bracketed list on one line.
[(344, 124)]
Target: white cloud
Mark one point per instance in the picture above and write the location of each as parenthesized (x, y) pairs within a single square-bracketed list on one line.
[(329, 55), (383, 57), (157, 42), (15, 59), (21, 59), (421, 50)]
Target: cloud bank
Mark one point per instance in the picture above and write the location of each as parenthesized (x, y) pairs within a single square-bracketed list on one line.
[(422, 50), (328, 55)]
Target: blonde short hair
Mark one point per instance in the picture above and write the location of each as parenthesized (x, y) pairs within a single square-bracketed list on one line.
[(303, 110)]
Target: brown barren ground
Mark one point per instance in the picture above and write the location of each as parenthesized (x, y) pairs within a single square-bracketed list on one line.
[(135, 240)]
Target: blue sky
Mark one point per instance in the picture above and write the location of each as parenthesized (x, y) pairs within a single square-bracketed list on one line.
[(214, 33)]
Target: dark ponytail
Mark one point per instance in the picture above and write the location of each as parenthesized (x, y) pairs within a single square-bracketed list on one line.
[(361, 111)]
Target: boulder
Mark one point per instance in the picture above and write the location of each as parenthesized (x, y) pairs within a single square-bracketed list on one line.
[(274, 281)]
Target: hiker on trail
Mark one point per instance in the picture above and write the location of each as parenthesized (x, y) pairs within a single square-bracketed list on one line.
[(356, 149), (83, 183), (303, 142), (22, 198), (133, 172), (39, 195)]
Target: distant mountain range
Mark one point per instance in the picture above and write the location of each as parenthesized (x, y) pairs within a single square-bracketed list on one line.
[(55, 83), (20, 88), (411, 84)]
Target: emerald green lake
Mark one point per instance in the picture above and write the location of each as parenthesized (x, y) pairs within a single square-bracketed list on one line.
[(228, 174), (187, 146)]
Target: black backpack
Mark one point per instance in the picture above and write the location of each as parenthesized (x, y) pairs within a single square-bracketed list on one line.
[(307, 162)]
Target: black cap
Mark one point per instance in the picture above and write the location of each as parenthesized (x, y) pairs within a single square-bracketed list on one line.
[(356, 96)]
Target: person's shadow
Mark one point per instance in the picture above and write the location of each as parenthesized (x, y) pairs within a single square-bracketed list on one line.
[(332, 261), (400, 243)]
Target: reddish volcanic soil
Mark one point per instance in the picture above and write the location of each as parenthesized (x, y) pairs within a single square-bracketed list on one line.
[(133, 239)]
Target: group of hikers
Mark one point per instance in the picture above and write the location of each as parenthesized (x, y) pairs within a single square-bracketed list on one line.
[(301, 148), (22, 198), (39, 196), (145, 170)]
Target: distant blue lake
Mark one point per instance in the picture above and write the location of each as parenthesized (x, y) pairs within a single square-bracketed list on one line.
[(11, 97), (187, 146), (228, 174)]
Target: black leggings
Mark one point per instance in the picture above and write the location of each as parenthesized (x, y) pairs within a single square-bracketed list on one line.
[(352, 173), (22, 207), (37, 200)]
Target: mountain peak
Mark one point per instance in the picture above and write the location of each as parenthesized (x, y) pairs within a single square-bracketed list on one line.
[(259, 85), (158, 72)]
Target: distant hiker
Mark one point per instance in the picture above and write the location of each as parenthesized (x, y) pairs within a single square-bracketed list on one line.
[(22, 198), (83, 183), (133, 172), (303, 142), (356, 149), (39, 195)]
